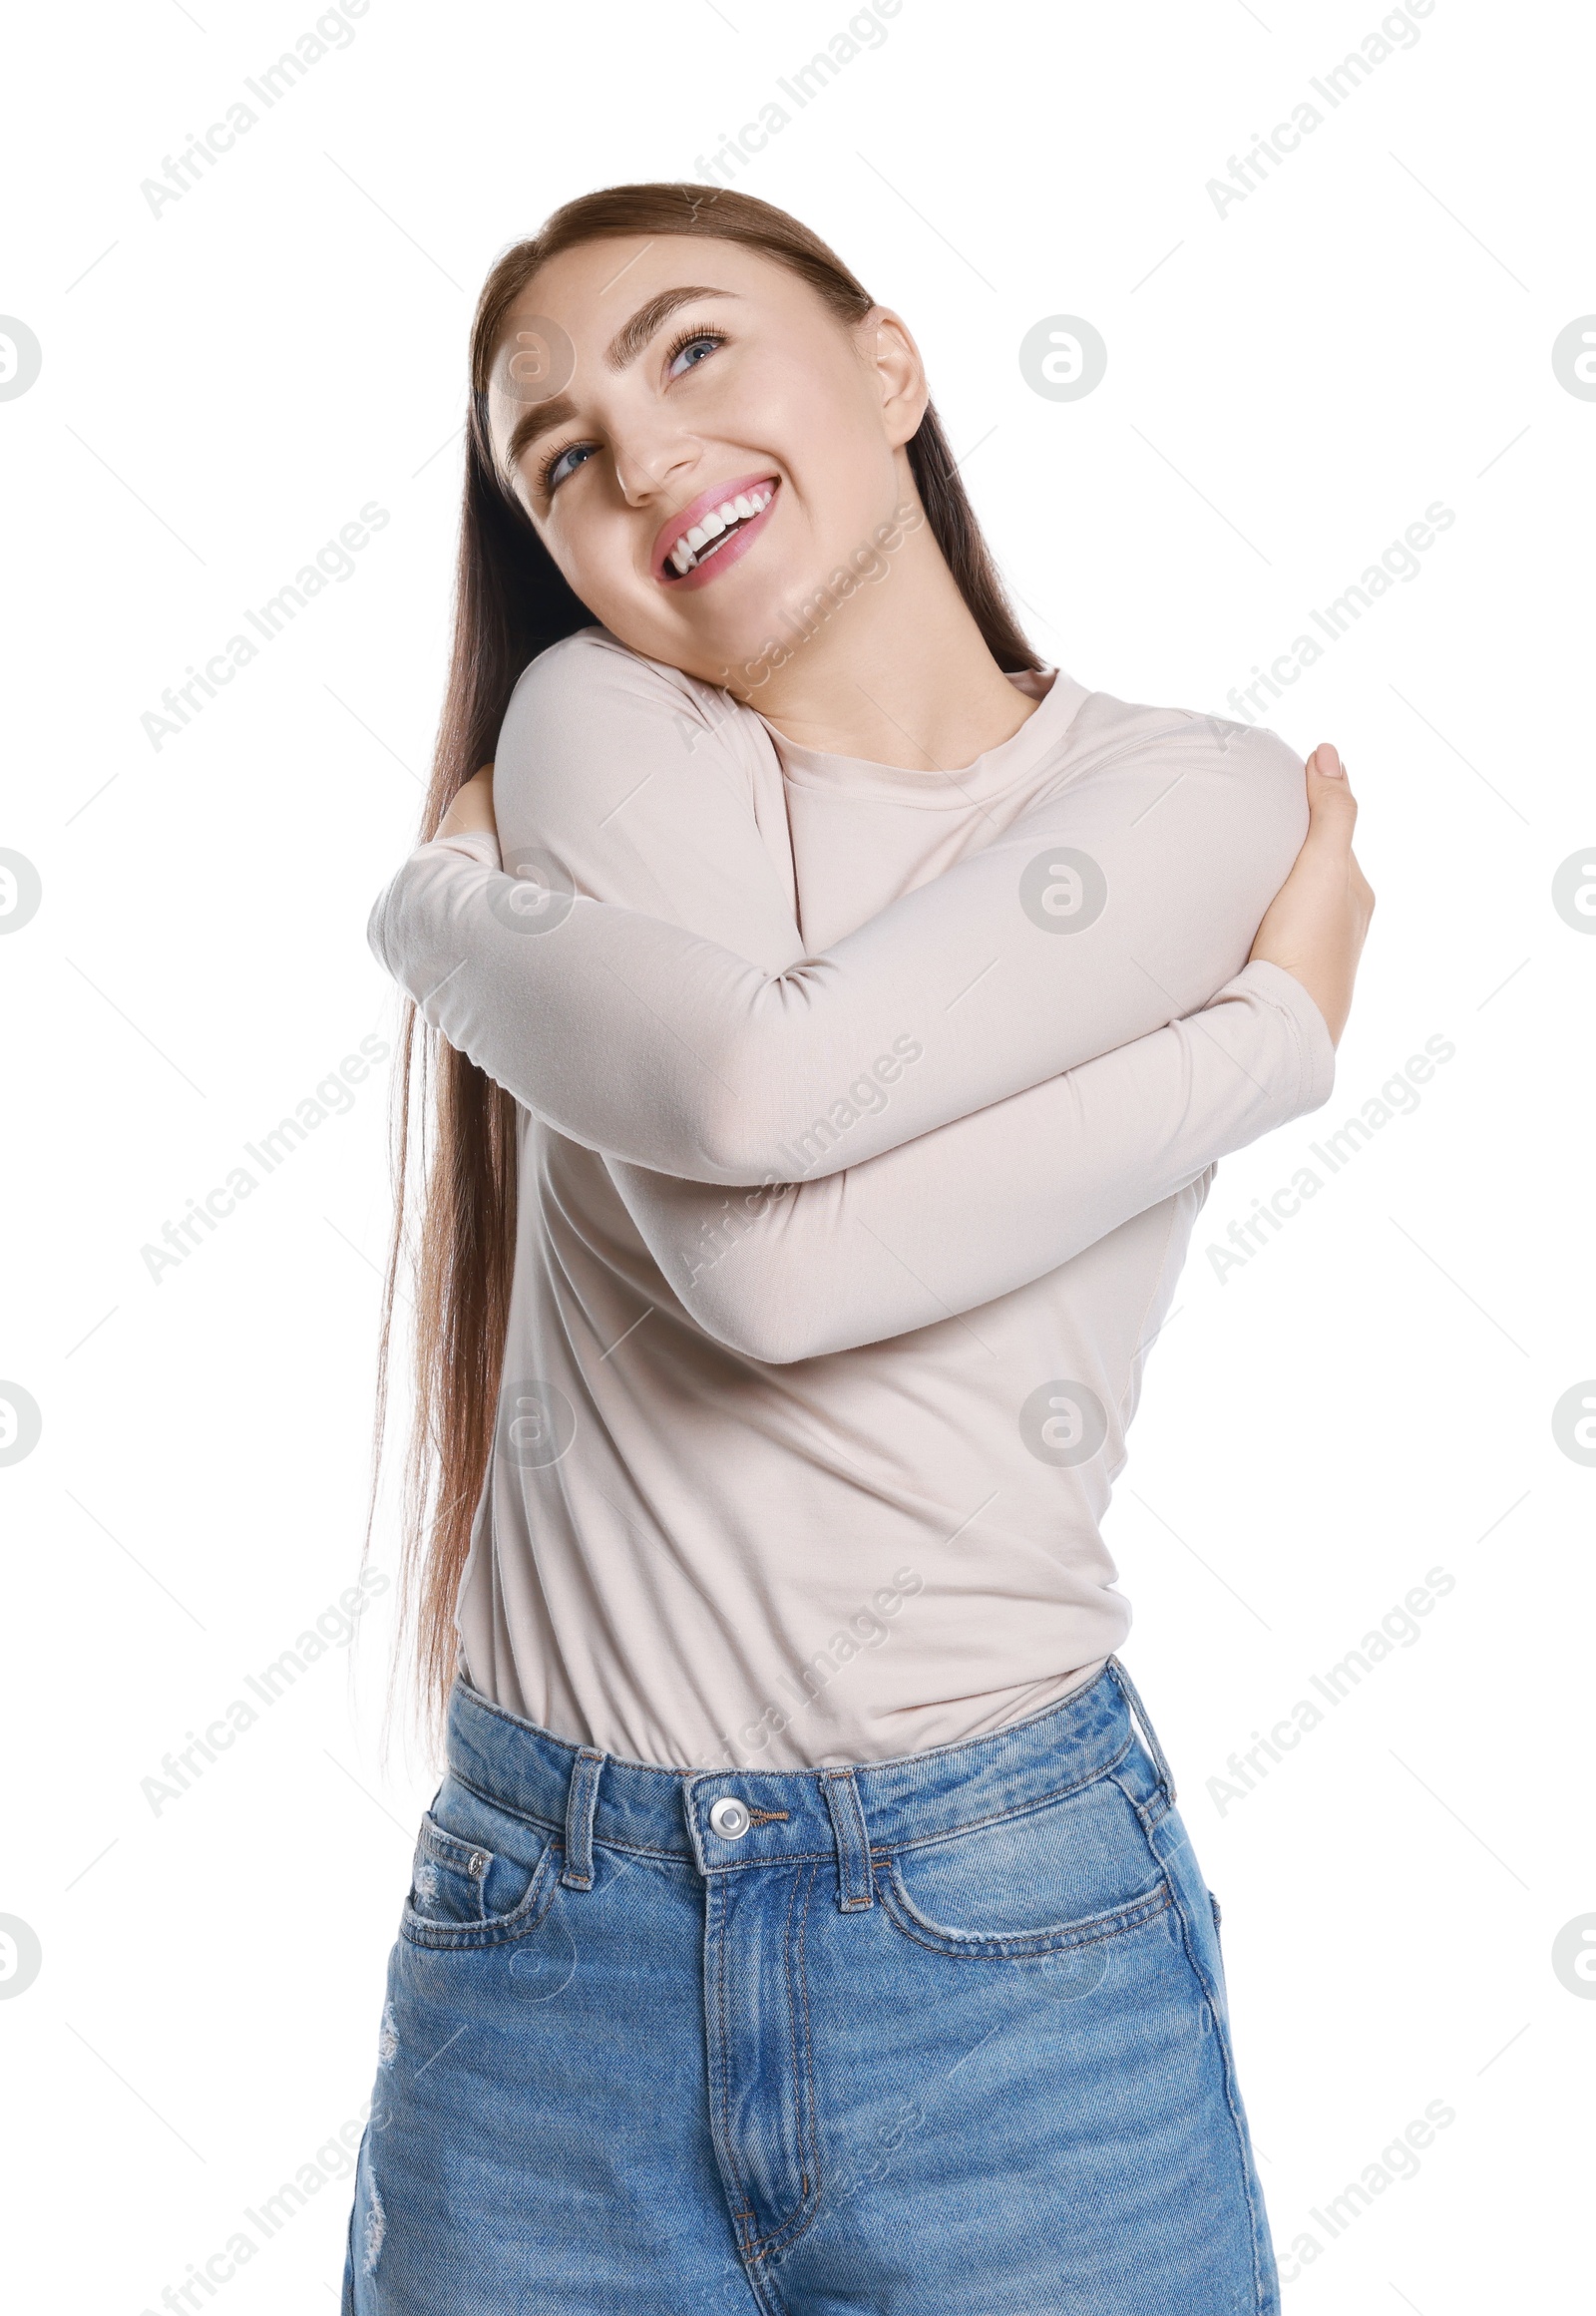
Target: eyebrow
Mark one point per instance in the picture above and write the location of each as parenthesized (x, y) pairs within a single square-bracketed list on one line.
[(623, 348), (629, 341)]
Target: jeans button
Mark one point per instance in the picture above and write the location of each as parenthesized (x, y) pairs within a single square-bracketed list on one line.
[(730, 1818)]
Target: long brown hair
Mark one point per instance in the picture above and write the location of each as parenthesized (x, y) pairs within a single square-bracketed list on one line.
[(451, 1122)]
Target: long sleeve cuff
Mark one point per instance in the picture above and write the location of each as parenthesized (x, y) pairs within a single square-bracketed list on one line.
[(1316, 1054)]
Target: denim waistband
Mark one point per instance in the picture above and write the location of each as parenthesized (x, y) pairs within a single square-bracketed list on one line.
[(848, 1811)]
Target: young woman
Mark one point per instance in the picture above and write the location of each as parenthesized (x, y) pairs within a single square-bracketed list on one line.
[(840, 1014)]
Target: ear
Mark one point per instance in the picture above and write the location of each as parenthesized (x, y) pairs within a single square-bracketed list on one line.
[(900, 373)]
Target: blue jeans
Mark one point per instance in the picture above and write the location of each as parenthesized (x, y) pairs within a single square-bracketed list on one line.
[(941, 2033)]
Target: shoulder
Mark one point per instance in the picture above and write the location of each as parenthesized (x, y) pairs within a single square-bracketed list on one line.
[(651, 789), (1236, 773), (591, 723), (594, 675), (1104, 726)]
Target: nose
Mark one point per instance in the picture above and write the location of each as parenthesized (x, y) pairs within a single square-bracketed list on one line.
[(648, 470)]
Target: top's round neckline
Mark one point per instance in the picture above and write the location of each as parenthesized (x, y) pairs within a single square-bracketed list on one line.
[(1058, 697)]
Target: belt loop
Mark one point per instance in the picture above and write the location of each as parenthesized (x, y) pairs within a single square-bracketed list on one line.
[(856, 1888), (581, 1800), (1139, 1713)]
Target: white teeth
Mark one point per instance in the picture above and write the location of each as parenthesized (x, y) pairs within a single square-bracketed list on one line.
[(742, 509)]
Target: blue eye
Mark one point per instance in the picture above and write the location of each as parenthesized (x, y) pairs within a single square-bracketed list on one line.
[(554, 470), (686, 345)]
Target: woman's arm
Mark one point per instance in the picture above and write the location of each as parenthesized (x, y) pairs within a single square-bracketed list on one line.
[(994, 1201), (720, 1052), (946, 1223), (977, 1208)]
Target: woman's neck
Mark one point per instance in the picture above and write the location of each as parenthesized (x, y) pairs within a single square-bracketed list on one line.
[(896, 673)]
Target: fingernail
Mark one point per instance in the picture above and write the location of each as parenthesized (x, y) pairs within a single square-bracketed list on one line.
[(1330, 764)]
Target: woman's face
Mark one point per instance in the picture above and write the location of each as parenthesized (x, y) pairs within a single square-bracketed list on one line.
[(683, 376)]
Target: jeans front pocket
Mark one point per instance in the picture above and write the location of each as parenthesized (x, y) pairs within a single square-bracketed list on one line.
[(1070, 1872), (479, 1876), (447, 1876)]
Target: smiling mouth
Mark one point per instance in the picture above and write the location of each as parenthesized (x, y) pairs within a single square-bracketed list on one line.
[(704, 540)]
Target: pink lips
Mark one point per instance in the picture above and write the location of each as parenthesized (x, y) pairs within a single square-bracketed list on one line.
[(685, 517)]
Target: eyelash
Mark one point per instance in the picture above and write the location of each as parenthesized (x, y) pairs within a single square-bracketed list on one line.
[(688, 337)]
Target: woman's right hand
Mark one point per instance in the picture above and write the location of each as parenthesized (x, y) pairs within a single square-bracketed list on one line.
[(1313, 928)]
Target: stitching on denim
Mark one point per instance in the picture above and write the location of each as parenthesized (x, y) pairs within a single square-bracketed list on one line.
[(908, 1801), (1147, 1736), (760, 2245), (1011, 1728), (813, 2109), (897, 1761), (1008, 1945), (1022, 1809), (761, 2281), (715, 1927), (557, 1825), (1151, 1813), (850, 1837), (582, 1802), (807, 2210), (439, 1852), (1025, 1808), (783, 1857), (547, 1825), (1226, 2054), (1227, 2066), (475, 1701), (450, 1850), (497, 1929)]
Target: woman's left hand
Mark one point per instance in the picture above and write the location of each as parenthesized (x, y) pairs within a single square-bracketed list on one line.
[(471, 809)]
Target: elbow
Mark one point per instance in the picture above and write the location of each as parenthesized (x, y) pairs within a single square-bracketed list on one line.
[(744, 1297), (767, 1346), (376, 923), (734, 1140), (739, 1115), (766, 1330)]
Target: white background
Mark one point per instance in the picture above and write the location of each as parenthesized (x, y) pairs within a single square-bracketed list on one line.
[(1289, 385)]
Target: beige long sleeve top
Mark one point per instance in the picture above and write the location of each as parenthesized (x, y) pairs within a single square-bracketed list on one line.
[(865, 1115)]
